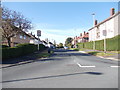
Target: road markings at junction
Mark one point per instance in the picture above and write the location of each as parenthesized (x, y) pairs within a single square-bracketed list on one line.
[(84, 66), (115, 66), (81, 65)]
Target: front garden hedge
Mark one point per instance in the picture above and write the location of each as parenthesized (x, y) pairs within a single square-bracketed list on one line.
[(20, 50), (112, 44)]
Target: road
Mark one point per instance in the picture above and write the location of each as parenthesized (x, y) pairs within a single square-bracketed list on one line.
[(65, 69)]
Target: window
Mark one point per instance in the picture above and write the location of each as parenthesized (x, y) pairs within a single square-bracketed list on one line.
[(15, 35), (98, 35), (24, 36), (21, 36)]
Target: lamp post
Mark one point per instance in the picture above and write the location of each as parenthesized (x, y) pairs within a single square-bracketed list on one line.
[(75, 42), (105, 34), (94, 31)]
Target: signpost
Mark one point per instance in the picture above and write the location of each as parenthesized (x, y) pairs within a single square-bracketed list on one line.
[(104, 34), (38, 34)]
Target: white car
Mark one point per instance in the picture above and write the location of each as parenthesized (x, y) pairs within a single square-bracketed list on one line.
[(65, 47)]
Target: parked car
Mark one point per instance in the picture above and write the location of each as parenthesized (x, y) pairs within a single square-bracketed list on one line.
[(65, 47)]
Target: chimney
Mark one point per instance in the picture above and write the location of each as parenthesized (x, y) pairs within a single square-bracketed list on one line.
[(31, 33), (95, 23), (112, 11), (84, 32), (80, 34)]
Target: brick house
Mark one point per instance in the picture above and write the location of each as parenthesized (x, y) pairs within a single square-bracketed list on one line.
[(84, 37), (20, 38)]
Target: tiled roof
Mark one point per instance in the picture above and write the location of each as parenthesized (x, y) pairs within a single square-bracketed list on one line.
[(105, 20)]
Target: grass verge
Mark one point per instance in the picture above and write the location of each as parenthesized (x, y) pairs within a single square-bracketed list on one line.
[(44, 54), (100, 53)]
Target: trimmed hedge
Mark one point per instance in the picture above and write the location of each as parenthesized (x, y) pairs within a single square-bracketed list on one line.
[(20, 50), (112, 44), (4, 46)]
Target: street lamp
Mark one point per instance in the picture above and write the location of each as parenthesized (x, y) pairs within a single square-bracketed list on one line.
[(75, 30), (94, 31)]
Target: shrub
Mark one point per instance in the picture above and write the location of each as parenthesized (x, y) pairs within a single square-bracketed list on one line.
[(20, 50), (88, 45), (4, 46)]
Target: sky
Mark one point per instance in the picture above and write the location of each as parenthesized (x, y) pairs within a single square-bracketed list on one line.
[(60, 20)]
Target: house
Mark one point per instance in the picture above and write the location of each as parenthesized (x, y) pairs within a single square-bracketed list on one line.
[(107, 28), (22, 37), (84, 37), (19, 38), (34, 40)]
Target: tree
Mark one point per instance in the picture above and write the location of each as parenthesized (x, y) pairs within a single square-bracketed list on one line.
[(68, 42), (12, 23), (60, 45)]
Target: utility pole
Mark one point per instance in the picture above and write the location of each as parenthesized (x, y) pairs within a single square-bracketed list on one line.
[(94, 31)]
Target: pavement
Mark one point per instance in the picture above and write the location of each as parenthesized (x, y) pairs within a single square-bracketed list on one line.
[(115, 56), (64, 69)]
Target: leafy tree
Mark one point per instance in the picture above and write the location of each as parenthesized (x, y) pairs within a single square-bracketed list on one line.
[(60, 45), (68, 42), (12, 23)]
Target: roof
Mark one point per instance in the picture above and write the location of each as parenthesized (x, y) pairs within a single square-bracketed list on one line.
[(29, 35), (105, 20)]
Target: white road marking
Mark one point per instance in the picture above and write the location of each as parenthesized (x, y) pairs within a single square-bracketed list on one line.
[(82, 51), (83, 66), (115, 66)]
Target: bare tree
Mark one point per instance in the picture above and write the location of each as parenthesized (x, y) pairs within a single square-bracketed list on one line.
[(12, 23)]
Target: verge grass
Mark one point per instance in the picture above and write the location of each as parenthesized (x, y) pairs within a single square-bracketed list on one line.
[(100, 53)]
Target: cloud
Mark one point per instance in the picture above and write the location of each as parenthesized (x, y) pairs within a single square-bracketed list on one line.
[(59, 35)]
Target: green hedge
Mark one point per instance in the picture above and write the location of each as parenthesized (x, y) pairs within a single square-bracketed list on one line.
[(99, 45), (88, 45), (20, 50), (4, 46), (112, 44)]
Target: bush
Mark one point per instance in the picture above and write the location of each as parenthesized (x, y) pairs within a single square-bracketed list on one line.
[(88, 45), (20, 50), (4, 46), (99, 45)]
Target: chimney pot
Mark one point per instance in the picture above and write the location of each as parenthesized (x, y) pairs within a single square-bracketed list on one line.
[(84, 32), (95, 23), (80, 34), (112, 11)]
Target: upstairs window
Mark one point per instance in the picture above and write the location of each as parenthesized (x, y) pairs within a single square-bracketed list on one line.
[(21, 36), (24, 36)]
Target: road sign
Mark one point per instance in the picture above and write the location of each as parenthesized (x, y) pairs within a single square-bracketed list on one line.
[(104, 33), (38, 32)]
